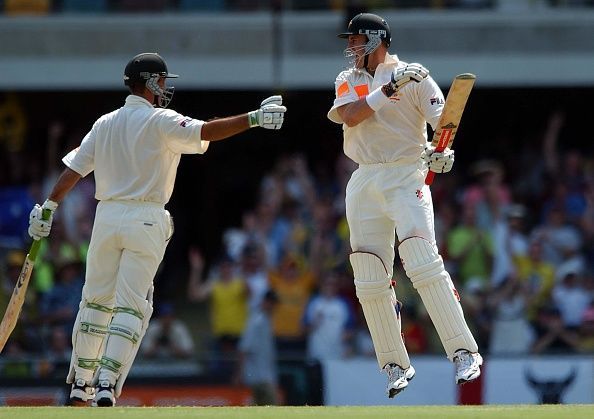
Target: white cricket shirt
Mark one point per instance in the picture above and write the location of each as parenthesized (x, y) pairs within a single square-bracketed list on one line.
[(135, 151), (398, 130)]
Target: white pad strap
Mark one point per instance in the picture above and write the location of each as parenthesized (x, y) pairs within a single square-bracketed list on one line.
[(90, 329), (425, 268), (380, 307)]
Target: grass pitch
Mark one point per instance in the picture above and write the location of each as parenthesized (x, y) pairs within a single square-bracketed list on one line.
[(319, 412)]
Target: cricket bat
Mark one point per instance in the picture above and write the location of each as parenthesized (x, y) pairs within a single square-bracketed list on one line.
[(20, 291), (451, 115)]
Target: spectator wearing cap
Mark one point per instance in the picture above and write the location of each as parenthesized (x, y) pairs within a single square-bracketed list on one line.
[(488, 194), (167, 336), (510, 241)]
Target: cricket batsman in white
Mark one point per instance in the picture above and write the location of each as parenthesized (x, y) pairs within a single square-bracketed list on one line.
[(384, 105), (134, 152)]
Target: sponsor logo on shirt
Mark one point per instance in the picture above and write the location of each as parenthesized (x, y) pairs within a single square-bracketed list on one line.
[(342, 90), (436, 101), (185, 122), (362, 90)]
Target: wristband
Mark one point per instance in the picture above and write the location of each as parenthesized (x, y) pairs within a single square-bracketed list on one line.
[(253, 119), (376, 99), (50, 205)]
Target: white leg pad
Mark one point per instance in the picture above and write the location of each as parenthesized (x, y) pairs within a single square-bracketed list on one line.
[(148, 312), (425, 268), (126, 331), (90, 329), (381, 309)]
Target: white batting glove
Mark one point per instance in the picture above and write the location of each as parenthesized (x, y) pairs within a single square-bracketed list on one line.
[(438, 162), (38, 227), (270, 115), (404, 75)]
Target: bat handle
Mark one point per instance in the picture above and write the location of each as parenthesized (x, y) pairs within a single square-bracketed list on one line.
[(45, 215), (429, 177)]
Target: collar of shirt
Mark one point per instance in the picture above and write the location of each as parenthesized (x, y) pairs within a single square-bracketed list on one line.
[(389, 60), (137, 100)]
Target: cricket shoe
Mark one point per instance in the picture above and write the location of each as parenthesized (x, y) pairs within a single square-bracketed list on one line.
[(104, 396), (468, 365), (398, 378), (81, 393)]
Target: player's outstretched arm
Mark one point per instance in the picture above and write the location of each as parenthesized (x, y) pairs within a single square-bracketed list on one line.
[(270, 115)]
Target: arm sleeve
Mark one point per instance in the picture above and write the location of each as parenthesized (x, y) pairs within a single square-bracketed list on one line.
[(345, 93), (82, 158), (182, 134), (431, 101)]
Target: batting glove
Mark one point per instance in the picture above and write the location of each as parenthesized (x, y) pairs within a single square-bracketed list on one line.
[(438, 162), (38, 227), (270, 115), (403, 75)]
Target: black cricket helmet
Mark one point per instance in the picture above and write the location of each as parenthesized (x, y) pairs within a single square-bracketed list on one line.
[(374, 27), (148, 68)]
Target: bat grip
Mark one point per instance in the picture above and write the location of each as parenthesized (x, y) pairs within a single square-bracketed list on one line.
[(45, 215), (429, 177)]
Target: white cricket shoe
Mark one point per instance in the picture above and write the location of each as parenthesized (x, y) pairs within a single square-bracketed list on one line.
[(398, 378), (81, 393), (104, 396), (468, 365)]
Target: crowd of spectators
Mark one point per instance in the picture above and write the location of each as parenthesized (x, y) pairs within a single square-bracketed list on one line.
[(522, 257)]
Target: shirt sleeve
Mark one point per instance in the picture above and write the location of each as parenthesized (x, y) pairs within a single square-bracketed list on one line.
[(82, 158), (182, 134), (345, 93), (431, 101)]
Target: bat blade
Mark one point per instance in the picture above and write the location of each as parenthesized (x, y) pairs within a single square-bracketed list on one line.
[(13, 310), (451, 115), (15, 305)]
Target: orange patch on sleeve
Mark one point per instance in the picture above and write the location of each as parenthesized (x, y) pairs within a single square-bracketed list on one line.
[(362, 90), (343, 89)]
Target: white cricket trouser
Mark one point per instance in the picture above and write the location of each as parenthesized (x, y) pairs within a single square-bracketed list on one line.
[(384, 200), (127, 245), (388, 200)]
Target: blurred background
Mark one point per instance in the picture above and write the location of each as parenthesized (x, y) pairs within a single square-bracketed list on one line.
[(261, 211)]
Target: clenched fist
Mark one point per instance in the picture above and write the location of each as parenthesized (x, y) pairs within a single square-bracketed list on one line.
[(271, 114)]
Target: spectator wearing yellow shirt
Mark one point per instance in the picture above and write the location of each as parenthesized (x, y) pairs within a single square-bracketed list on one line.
[(227, 294), (537, 275), (293, 283)]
